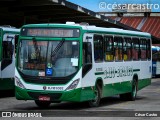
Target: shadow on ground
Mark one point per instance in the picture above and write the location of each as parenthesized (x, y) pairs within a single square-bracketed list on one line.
[(7, 93), (108, 101)]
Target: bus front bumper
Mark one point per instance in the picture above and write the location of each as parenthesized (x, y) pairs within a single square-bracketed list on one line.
[(76, 95)]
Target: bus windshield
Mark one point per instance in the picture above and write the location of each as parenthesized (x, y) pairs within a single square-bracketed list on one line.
[(155, 53), (48, 58)]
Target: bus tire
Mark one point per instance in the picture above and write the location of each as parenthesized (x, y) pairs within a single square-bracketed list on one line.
[(42, 104), (131, 95), (95, 102)]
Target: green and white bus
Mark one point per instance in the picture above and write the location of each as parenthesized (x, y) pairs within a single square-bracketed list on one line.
[(8, 39), (78, 62)]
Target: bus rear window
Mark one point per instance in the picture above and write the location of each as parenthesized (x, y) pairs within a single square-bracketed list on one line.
[(50, 32)]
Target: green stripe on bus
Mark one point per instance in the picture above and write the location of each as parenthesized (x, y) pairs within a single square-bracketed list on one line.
[(136, 70), (6, 84), (86, 93), (99, 73)]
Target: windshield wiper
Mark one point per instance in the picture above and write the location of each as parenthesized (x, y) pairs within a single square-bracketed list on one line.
[(53, 53)]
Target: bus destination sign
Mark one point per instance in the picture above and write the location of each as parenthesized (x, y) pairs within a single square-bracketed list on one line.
[(50, 32)]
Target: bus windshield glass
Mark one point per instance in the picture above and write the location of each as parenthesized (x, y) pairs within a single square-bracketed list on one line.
[(48, 58), (155, 53)]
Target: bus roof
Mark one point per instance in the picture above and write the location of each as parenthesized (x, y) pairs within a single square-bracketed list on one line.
[(116, 31), (10, 29), (91, 28), (155, 48)]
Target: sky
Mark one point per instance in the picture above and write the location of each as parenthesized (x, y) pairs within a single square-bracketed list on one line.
[(101, 5)]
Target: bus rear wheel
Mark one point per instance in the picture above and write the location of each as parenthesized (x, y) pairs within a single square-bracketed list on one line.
[(42, 104), (96, 101), (131, 95)]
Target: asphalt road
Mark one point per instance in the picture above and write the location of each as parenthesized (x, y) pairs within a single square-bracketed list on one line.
[(148, 101)]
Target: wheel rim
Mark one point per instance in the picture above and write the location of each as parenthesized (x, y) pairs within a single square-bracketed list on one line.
[(96, 97), (134, 91)]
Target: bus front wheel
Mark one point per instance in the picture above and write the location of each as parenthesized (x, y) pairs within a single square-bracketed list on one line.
[(96, 101), (42, 104)]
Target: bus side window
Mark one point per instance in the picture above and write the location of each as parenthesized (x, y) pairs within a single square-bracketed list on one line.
[(108, 48), (87, 57), (148, 49), (98, 48), (127, 49), (143, 49), (135, 49), (118, 48), (7, 52)]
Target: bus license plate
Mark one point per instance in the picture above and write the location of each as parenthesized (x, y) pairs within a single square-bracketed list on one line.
[(44, 98)]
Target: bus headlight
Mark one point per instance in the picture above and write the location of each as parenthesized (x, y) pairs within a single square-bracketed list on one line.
[(73, 85), (19, 83)]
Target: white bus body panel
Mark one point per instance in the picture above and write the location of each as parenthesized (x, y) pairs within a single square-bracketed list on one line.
[(157, 68), (140, 68)]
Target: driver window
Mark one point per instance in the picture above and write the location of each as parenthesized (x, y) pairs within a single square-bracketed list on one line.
[(87, 58), (7, 50), (87, 53)]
